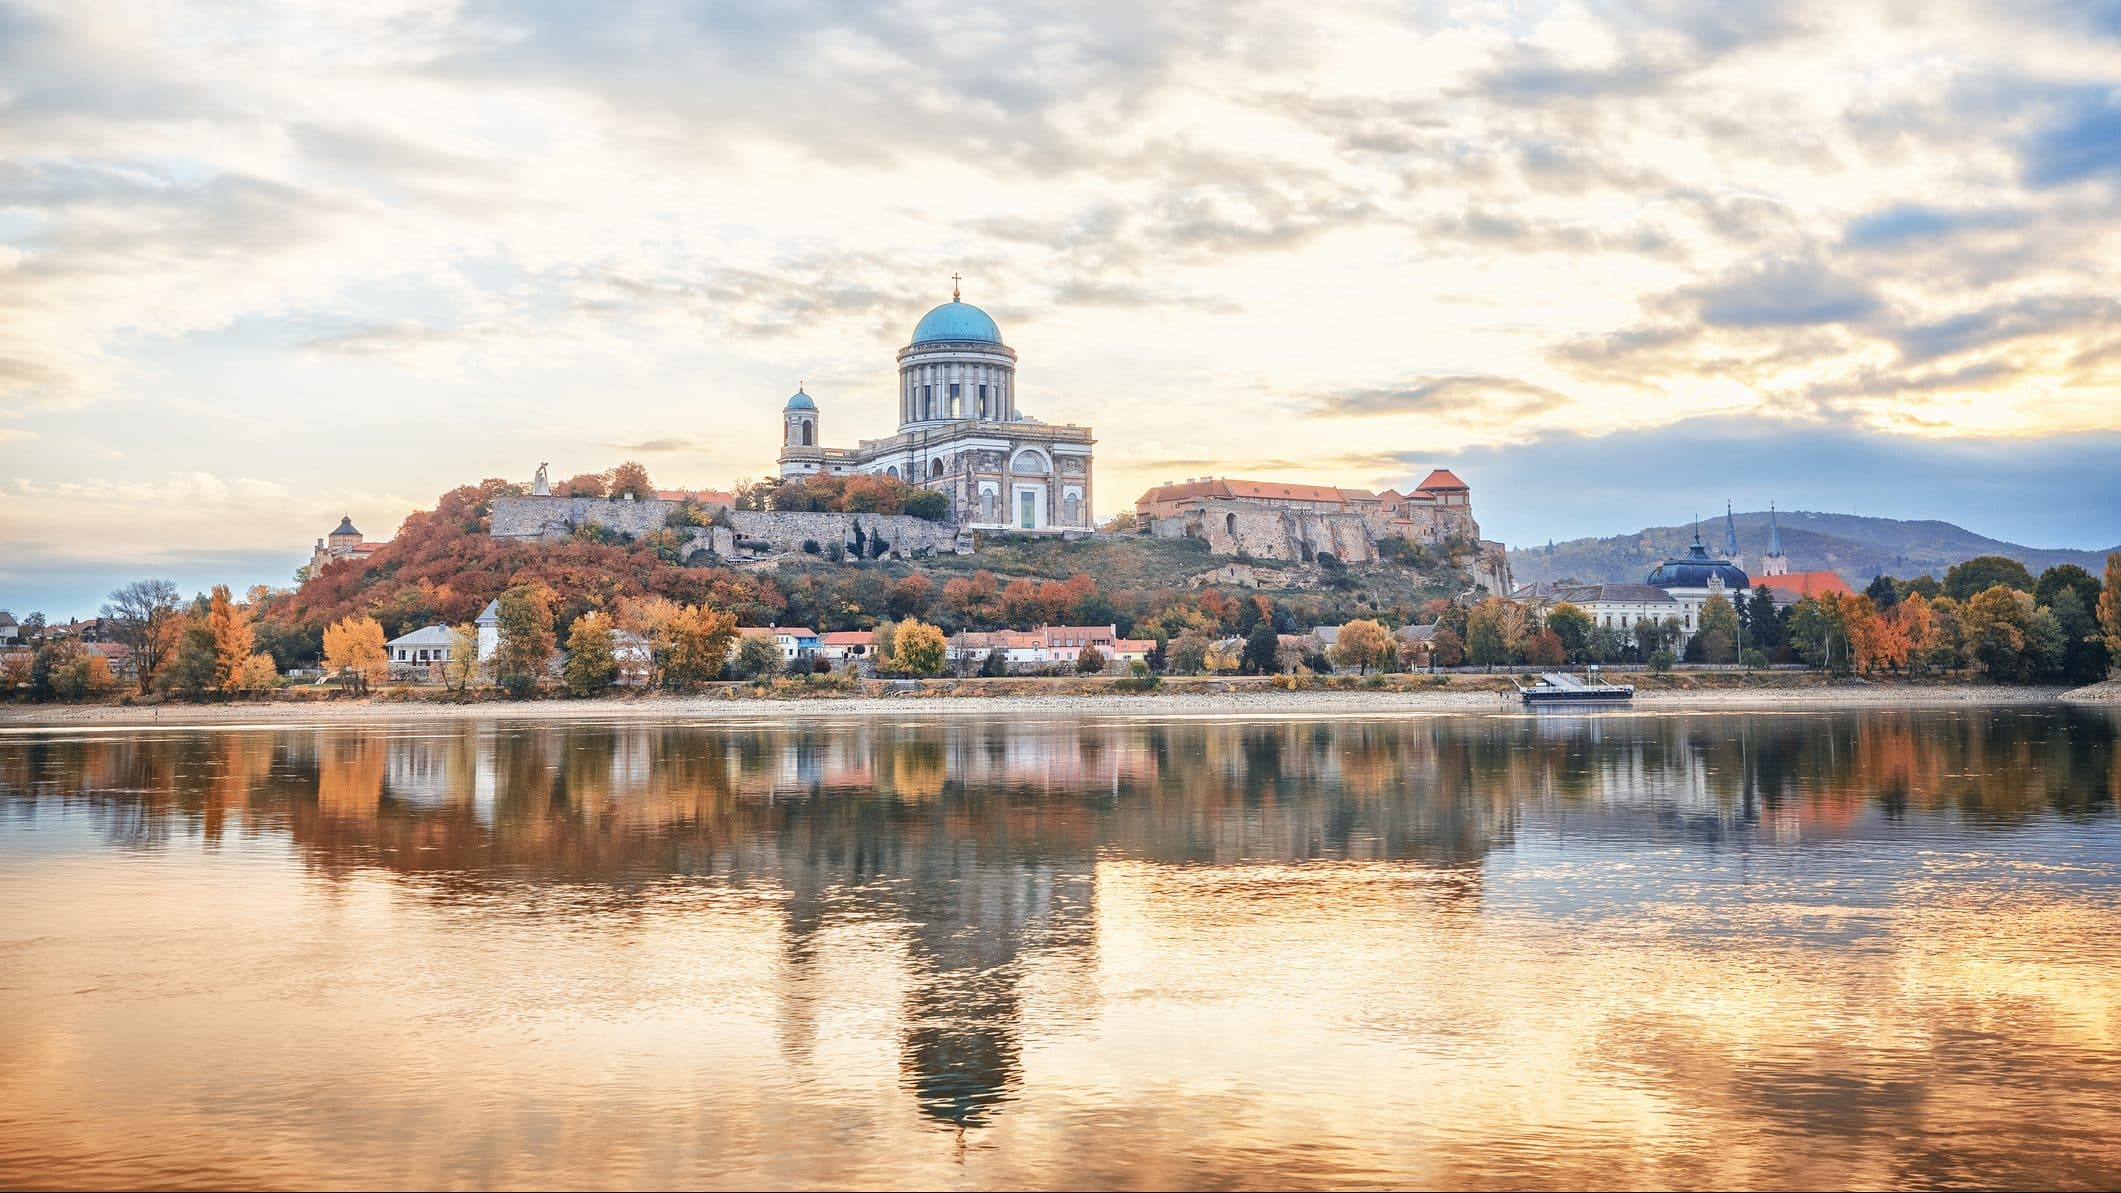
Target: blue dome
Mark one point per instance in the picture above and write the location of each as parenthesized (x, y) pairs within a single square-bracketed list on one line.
[(1694, 572), (955, 320), (800, 401)]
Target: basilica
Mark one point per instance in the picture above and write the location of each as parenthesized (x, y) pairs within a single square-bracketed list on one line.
[(960, 432)]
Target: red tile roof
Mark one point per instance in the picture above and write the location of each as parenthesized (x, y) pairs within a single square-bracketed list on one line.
[(847, 638), (1442, 478), (1254, 490), (1799, 585), (703, 496)]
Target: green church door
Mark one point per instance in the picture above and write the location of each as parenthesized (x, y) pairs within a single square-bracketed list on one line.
[(1027, 510)]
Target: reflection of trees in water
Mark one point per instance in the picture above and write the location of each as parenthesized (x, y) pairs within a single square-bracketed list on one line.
[(807, 803), (979, 843)]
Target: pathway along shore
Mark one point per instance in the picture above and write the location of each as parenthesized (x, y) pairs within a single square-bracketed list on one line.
[(1253, 701)]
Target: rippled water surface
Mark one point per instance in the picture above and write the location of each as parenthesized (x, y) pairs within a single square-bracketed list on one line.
[(1877, 949)]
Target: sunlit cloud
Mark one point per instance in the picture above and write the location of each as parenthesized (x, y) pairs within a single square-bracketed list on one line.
[(390, 249)]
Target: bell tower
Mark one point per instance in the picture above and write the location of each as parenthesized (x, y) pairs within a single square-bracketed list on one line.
[(800, 452)]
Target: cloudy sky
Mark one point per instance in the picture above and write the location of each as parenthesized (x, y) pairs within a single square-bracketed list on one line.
[(262, 265)]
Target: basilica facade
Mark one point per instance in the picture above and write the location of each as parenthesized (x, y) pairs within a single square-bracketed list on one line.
[(961, 433)]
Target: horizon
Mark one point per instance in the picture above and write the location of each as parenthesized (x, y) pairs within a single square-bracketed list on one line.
[(268, 266)]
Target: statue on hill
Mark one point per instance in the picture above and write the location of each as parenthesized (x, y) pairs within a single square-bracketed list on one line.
[(539, 485)]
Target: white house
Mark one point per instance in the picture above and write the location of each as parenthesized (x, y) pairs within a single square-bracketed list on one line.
[(841, 645), (795, 642), (423, 647), (489, 624)]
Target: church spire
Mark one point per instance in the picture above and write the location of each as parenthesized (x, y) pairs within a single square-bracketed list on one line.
[(1730, 532), (1774, 563)]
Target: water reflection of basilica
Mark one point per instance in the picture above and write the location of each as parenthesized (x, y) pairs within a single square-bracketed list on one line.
[(978, 847)]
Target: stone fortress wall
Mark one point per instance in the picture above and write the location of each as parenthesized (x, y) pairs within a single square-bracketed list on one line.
[(1262, 532), (750, 533)]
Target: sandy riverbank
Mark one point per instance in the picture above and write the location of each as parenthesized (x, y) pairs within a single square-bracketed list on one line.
[(1248, 702)]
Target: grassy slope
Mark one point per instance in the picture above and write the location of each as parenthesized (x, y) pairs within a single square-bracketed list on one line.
[(1141, 563)]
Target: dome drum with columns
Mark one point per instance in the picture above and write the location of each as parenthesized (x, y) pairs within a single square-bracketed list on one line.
[(961, 433)]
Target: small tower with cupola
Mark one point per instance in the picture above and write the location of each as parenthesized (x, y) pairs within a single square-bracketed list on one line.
[(800, 450)]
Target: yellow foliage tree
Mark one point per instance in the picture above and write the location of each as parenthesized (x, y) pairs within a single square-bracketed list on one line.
[(230, 624), (353, 650), (695, 645), (259, 674), (1916, 623), (917, 648), (631, 478), (2110, 608), (1361, 644), (1224, 656)]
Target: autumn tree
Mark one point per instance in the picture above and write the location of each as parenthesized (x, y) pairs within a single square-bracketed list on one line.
[(917, 648), (1916, 624), (259, 673), (975, 598), (527, 639), (461, 669), (631, 479), (592, 663), (1718, 630), (587, 484), (1224, 656), (144, 617), (353, 651), (230, 626), (1447, 649), (1993, 623), (910, 597), (694, 645), (1361, 644), (1495, 631), (1574, 627), (757, 656), (1545, 649), (2110, 608), (1187, 653), (1090, 662)]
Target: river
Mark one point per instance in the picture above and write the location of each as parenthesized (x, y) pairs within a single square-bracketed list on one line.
[(1875, 949)]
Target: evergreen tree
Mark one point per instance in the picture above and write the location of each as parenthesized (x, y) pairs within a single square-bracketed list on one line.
[(1260, 646), (1763, 627), (1883, 592)]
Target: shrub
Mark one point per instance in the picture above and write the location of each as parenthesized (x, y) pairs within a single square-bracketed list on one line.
[(1090, 662), (1661, 662), (1753, 658)]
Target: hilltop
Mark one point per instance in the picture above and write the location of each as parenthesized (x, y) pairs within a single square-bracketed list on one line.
[(1856, 547)]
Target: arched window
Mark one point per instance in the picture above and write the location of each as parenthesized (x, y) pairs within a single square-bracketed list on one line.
[(1230, 521), (809, 433), (892, 472), (935, 467)]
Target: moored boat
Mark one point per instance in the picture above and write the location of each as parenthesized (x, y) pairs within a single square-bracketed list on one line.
[(1559, 687)]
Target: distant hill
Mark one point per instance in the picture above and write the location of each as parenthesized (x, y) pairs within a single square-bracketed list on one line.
[(1857, 547)]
